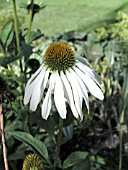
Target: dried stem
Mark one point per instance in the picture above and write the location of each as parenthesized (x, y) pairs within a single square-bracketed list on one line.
[(3, 138)]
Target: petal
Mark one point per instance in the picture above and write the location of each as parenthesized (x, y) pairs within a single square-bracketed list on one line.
[(68, 94), (83, 60), (28, 92), (91, 85), (46, 106), (44, 84), (59, 97), (37, 94), (76, 95), (76, 84), (89, 71), (83, 89), (33, 76), (30, 87), (45, 79)]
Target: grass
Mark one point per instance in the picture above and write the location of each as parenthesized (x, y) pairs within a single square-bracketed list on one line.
[(83, 15)]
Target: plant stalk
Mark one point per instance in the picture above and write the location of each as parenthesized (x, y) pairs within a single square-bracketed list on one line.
[(30, 21), (58, 143), (121, 132), (3, 138), (17, 32), (16, 26)]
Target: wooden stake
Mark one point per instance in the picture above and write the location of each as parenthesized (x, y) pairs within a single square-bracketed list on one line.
[(3, 138)]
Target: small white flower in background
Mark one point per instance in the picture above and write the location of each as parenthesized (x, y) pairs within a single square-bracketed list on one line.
[(67, 77)]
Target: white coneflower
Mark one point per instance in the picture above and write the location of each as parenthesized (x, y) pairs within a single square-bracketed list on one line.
[(67, 77), (32, 162)]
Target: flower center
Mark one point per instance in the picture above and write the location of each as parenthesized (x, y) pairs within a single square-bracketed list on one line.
[(33, 162), (59, 57)]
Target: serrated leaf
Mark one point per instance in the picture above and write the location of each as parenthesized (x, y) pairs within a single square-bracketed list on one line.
[(35, 144), (74, 158)]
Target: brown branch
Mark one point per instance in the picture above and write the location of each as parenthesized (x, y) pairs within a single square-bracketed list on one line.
[(3, 138)]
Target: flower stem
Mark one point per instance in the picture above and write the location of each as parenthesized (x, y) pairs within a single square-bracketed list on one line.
[(16, 26), (30, 21), (121, 132), (58, 143), (17, 32), (3, 138)]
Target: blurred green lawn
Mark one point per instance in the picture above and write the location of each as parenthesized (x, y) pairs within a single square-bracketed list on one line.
[(66, 15)]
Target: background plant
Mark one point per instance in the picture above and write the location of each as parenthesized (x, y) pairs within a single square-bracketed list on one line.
[(89, 145)]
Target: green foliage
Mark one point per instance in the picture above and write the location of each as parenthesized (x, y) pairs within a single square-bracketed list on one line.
[(6, 16), (88, 145), (36, 145), (118, 29), (74, 158)]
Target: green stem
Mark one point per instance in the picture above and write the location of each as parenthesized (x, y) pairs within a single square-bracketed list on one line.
[(30, 21), (16, 31), (121, 132), (58, 143), (16, 26)]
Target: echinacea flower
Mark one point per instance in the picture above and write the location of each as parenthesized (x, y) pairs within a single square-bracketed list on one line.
[(65, 76), (32, 162), (37, 6)]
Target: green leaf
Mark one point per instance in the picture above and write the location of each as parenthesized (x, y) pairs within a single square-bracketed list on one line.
[(36, 144), (74, 158), (17, 155), (83, 165), (4, 60), (27, 50), (36, 35), (10, 37), (98, 160), (6, 32), (125, 84)]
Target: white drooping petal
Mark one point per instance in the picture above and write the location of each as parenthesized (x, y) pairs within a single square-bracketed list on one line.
[(91, 85), (28, 92), (37, 91), (83, 89), (76, 95), (45, 81), (59, 97), (89, 71), (68, 94), (33, 76), (31, 85), (79, 92), (46, 105), (83, 60)]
